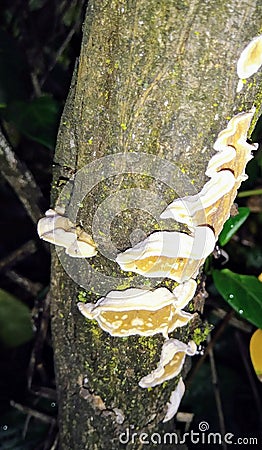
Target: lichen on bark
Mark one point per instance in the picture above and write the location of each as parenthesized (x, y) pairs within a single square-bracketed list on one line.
[(157, 78)]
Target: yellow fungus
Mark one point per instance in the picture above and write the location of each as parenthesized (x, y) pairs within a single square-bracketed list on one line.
[(169, 254), (141, 311), (171, 362)]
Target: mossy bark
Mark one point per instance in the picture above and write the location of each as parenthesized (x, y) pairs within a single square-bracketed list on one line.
[(155, 78)]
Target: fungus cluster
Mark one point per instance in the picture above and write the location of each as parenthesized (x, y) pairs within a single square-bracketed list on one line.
[(59, 230), (226, 170), (169, 254)]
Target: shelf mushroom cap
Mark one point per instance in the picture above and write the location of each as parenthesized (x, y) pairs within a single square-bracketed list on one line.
[(59, 230), (172, 359), (250, 59), (185, 209), (141, 311), (235, 135), (175, 400), (220, 160), (169, 254)]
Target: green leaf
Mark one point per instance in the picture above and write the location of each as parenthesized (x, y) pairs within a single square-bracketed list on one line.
[(242, 292), (232, 225), (37, 119), (15, 320), (34, 5)]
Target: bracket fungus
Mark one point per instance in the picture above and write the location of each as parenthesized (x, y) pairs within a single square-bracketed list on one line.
[(175, 400), (193, 210), (235, 135), (249, 61), (169, 254), (172, 359), (59, 230), (141, 311), (226, 170), (220, 160)]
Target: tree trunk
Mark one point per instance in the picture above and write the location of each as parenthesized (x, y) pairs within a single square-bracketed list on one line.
[(154, 84)]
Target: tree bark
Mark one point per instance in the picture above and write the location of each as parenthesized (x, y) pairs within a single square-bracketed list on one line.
[(156, 79)]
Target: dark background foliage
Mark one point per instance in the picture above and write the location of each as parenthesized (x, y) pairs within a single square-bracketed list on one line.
[(39, 43)]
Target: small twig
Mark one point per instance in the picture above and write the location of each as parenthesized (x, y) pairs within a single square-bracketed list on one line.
[(217, 394), (185, 418), (44, 392), (18, 255), (220, 329), (249, 193), (39, 342), (21, 180), (28, 285), (50, 434), (57, 55), (234, 322), (33, 413), (26, 425), (36, 85), (55, 443), (75, 27), (50, 438)]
